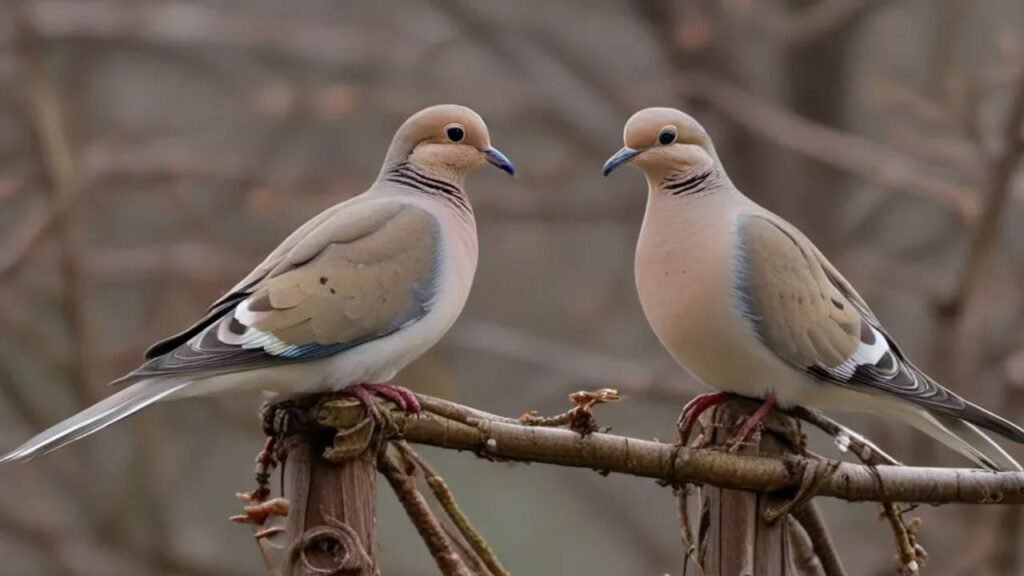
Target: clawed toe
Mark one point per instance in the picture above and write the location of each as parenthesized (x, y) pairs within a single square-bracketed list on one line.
[(404, 398)]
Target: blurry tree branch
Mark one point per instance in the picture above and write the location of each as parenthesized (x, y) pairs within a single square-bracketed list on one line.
[(579, 366), (814, 22), (842, 150), (186, 24), (59, 547), (985, 228), (48, 124), (453, 426), (810, 519)]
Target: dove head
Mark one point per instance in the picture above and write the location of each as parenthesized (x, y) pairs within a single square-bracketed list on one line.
[(446, 140), (664, 141)]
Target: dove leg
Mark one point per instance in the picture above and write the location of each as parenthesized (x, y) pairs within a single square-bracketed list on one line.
[(694, 408), (752, 422)]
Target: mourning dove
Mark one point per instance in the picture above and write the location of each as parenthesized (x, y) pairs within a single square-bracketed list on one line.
[(751, 307), (347, 300)]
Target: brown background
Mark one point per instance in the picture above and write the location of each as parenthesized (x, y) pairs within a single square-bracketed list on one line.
[(197, 134)]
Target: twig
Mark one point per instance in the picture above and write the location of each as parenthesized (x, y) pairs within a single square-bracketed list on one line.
[(845, 438), (906, 548), (911, 554), (814, 526), (444, 496), (448, 562), (804, 560), (476, 564), (579, 418), (682, 494)]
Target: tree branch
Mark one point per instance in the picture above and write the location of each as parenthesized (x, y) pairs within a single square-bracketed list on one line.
[(814, 526), (502, 438)]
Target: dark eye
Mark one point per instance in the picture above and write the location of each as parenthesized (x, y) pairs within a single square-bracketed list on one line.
[(454, 132), (667, 136)]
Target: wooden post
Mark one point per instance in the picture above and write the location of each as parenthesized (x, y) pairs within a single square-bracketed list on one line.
[(332, 526), (735, 539)]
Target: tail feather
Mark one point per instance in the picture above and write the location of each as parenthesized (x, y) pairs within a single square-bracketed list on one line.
[(96, 417), (965, 438)]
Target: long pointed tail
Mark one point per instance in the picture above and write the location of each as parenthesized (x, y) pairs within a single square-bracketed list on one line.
[(965, 438), (96, 417)]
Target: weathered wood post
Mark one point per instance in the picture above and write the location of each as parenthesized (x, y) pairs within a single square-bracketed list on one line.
[(332, 488), (735, 537)]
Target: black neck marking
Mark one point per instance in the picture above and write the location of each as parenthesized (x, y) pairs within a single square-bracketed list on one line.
[(405, 174), (687, 185)]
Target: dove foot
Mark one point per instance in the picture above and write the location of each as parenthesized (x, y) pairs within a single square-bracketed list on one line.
[(401, 396), (694, 408), (751, 423)]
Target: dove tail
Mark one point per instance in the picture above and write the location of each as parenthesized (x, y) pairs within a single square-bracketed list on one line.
[(96, 417), (965, 438)]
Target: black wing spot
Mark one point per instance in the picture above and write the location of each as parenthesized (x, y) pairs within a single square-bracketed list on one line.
[(236, 327), (838, 304), (333, 291), (886, 363), (323, 280)]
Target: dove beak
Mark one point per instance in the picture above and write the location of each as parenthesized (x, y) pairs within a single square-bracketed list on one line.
[(499, 160), (619, 158)]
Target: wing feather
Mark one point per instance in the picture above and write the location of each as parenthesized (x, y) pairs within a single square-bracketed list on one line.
[(357, 276), (807, 314)]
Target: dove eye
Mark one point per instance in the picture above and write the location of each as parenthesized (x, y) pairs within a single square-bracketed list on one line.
[(667, 136), (455, 132)]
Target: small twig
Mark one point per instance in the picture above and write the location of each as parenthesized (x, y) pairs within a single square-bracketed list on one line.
[(447, 500), (475, 562), (814, 526), (846, 440), (458, 412), (682, 494), (911, 553), (804, 560), (580, 418), (448, 561)]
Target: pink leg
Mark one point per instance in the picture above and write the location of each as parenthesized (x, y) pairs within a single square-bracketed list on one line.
[(403, 397), (694, 408), (752, 422)]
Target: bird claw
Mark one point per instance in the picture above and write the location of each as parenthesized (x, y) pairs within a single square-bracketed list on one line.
[(692, 411), (404, 398)]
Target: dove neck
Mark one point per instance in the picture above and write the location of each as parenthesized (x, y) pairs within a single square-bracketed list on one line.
[(687, 183), (418, 179)]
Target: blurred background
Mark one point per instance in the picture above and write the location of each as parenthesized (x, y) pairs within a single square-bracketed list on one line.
[(152, 152)]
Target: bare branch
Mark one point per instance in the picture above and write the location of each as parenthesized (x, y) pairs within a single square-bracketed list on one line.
[(479, 546), (448, 561), (809, 517), (504, 439)]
